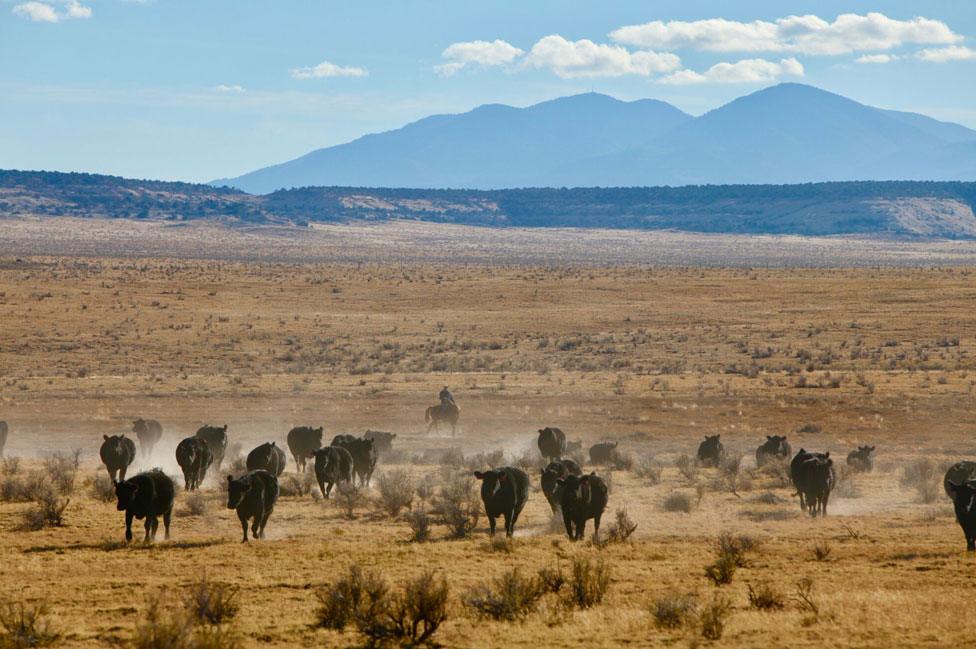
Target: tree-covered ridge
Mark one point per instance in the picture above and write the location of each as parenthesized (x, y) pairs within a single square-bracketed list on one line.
[(942, 209)]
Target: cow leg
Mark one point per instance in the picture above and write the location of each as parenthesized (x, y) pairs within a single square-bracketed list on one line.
[(111, 473), (580, 529), (167, 515), (970, 543), (128, 526), (243, 520), (509, 524), (122, 473), (264, 521), (596, 525), (256, 527), (491, 525), (148, 527), (329, 490), (568, 522), (325, 494)]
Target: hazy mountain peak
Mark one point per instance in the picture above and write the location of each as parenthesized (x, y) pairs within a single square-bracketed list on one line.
[(786, 133)]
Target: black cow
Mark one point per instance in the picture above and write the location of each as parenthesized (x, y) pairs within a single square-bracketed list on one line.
[(147, 495), (333, 465), (382, 441), (117, 453), (814, 477), (711, 451), (3, 436), (582, 498), (149, 432), (216, 439), (550, 477), (860, 461), (267, 457), (774, 448), (253, 496), (603, 452), (960, 486), (504, 492), (552, 444), (574, 447), (363, 452), (194, 457), (302, 440)]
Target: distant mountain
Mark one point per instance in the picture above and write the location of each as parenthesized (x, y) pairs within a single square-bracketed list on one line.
[(491, 146), (789, 133), (913, 209)]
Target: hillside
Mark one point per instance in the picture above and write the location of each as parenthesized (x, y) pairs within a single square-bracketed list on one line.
[(788, 133), (918, 209)]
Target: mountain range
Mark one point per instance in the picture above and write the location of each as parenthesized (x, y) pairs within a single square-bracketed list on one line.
[(788, 133)]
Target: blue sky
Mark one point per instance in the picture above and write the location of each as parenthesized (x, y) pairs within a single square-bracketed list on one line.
[(201, 89)]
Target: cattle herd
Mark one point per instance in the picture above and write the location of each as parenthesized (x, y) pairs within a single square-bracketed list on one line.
[(349, 459)]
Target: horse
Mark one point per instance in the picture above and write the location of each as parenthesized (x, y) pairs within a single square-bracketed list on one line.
[(447, 413)]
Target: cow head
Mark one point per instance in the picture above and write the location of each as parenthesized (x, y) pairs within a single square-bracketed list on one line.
[(962, 494), (125, 492), (319, 430), (236, 490), (139, 426), (491, 480), (321, 457)]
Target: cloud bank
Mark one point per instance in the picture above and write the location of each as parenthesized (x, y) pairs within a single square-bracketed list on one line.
[(52, 12)]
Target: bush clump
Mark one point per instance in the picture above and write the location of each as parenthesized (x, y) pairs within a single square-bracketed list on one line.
[(458, 505), (396, 491), (675, 610), (26, 625), (588, 583)]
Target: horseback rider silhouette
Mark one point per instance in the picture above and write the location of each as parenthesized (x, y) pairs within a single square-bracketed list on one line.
[(446, 397)]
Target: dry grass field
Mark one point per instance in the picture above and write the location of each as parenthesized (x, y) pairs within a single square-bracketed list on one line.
[(654, 357)]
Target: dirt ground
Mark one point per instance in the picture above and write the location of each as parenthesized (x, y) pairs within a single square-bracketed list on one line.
[(653, 357)]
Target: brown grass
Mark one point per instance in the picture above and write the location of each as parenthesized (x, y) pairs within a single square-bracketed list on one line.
[(654, 358)]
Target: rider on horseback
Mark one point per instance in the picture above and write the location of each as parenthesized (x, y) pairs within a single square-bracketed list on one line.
[(447, 399)]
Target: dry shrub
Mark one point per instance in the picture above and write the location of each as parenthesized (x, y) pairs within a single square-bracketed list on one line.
[(621, 460), (805, 601), (687, 467), (732, 552), (409, 617), (588, 583), (509, 597), (621, 528), (296, 484), (62, 469), (210, 602), (923, 476), (777, 468), (765, 597), (458, 505), (102, 488), (48, 510), (713, 617), (26, 625), (675, 610), (487, 460), (821, 551), (648, 470), (348, 498), (679, 501), (527, 460), (420, 523), (500, 544), (722, 570), (340, 602), (396, 491), (167, 627)]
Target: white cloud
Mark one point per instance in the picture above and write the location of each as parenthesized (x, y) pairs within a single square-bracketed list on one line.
[(52, 12), (584, 58), (326, 69), (877, 58), (483, 53), (945, 54), (37, 11), (745, 71), (800, 34), (234, 88)]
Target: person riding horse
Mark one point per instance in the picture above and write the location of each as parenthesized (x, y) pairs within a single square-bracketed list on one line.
[(446, 397)]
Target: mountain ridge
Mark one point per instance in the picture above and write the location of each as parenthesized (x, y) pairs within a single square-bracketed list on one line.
[(901, 209), (784, 134)]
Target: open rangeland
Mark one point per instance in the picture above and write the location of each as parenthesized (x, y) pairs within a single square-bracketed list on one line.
[(654, 358)]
